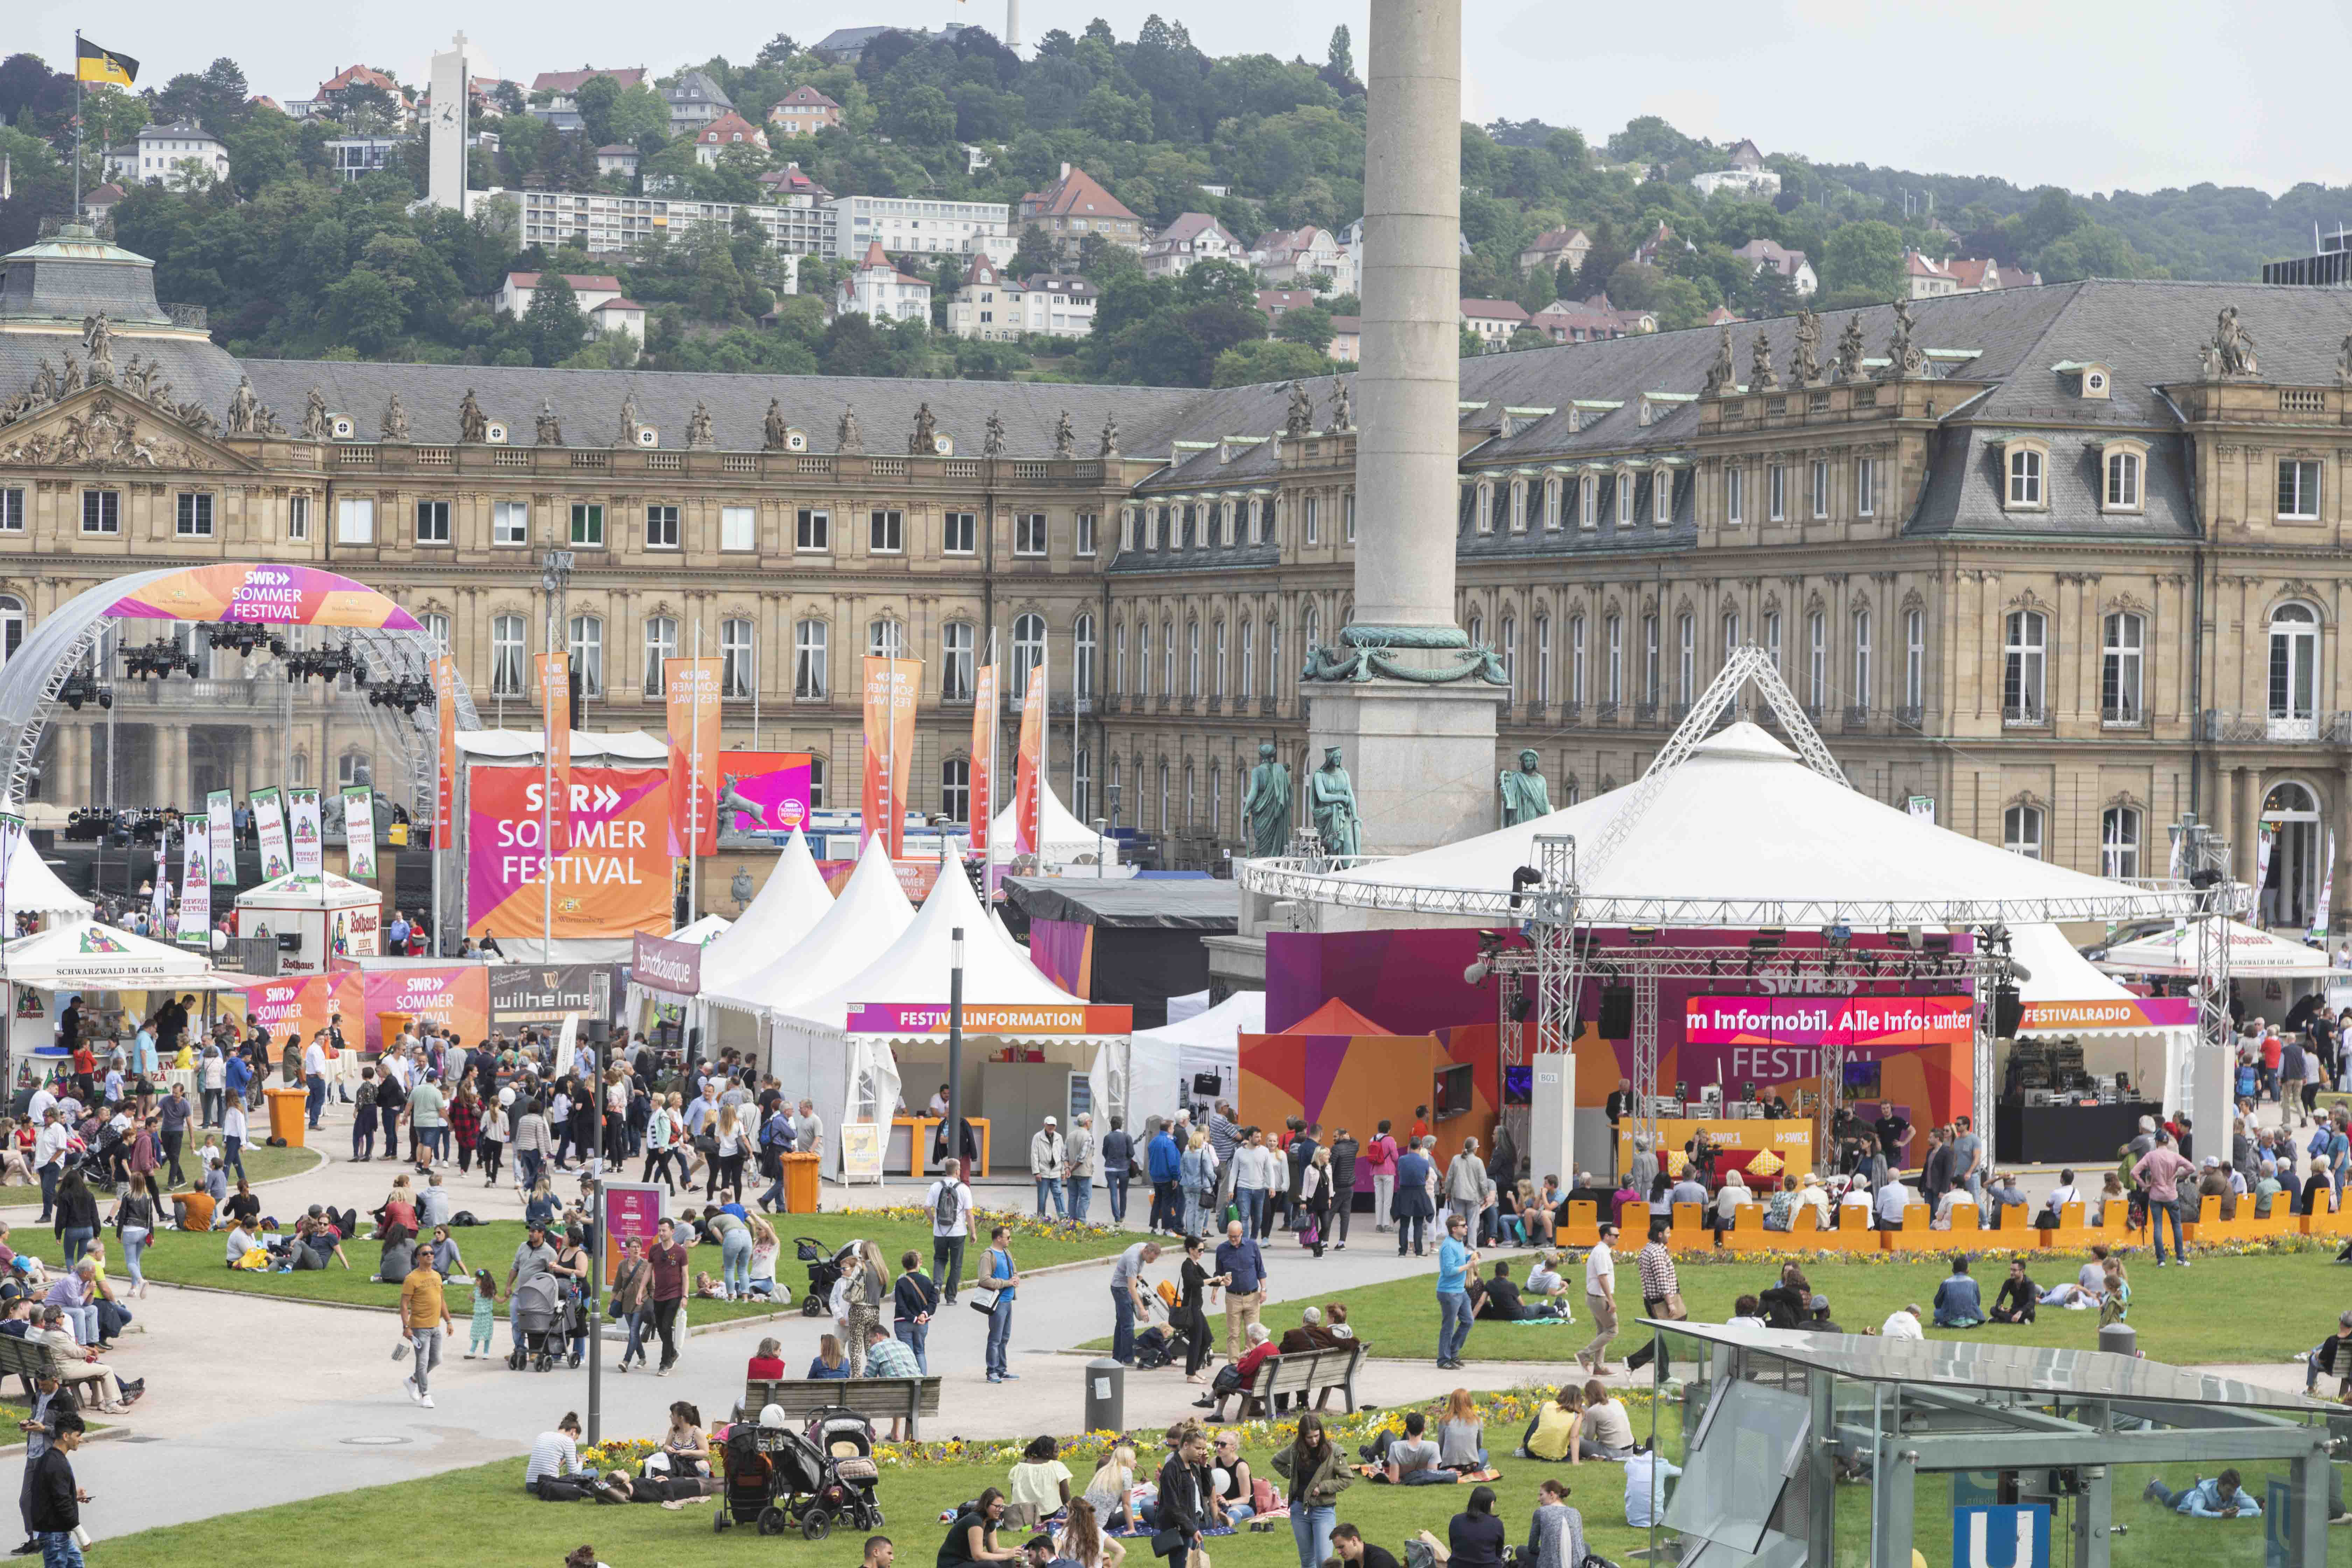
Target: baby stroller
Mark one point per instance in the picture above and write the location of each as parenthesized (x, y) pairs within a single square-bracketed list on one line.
[(538, 1308), (777, 1478), (823, 1273)]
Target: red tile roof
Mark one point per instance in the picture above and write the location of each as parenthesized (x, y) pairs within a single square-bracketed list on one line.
[(1075, 194), (805, 98), (727, 128), (366, 74), (597, 281), (1495, 309), (569, 81)]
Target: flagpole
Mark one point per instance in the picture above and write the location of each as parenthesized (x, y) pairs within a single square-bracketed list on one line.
[(77, 125)]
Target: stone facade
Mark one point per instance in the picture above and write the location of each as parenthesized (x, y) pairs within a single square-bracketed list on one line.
[(2064, 578)]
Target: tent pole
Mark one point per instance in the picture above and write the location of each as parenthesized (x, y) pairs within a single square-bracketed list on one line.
[(953, 1139)]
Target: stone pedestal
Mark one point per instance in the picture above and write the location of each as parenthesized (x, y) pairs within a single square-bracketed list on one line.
[(1422, 758)]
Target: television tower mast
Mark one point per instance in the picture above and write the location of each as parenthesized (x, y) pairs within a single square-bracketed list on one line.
[(1012, 23)]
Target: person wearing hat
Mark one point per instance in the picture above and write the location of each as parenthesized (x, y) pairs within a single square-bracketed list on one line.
[(1046, 1159), (1812, 1195), (1820, 1322)]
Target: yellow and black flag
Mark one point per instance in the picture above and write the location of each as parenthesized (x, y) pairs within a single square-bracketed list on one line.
[(92, 63)]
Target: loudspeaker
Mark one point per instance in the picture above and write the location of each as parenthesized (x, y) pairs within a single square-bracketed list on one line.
[(1616, 1012), (596, 1031), (2008, 1012)]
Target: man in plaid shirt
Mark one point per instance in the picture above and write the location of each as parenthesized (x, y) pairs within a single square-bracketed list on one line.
[(889, 1356), (1224, 1136), (1659, 1282)]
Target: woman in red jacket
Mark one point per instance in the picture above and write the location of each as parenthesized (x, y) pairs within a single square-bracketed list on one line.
[(465, 1123)]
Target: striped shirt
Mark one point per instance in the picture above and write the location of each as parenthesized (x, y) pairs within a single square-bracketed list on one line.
[(1222, 1136), (1657, 1268), (554, 1454)]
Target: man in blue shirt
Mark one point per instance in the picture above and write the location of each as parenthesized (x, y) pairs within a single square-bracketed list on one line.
[(1241, 1269), (1455, 1259), (1413, 1206), (1164, 1164)]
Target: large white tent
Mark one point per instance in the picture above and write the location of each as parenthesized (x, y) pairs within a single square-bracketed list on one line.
[(1166, 1059), (2254, 954), (786, 908), (2062, 992), (810, 1035), (1068, 841), (864, 920), (86, 957), (1742, 833), (33, 888)]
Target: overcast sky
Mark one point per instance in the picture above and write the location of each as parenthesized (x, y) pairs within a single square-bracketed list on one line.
[(2092, 94)]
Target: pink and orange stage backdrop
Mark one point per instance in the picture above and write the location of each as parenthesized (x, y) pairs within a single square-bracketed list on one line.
[(1342, 1070), (1763, 1030)]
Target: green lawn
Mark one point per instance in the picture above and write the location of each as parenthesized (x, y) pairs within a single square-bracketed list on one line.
[(450, 1517), (261, 1164), (2282, 1305), (198, 1258)]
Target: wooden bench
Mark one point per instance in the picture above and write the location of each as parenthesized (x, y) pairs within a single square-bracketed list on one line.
[(1300, 1374), (24, 1359), (906, 1399)]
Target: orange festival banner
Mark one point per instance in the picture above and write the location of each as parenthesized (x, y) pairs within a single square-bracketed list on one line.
[(692, 687), (444, 806), (555, 708), (1029, 771), (890, 747), (984, 754)]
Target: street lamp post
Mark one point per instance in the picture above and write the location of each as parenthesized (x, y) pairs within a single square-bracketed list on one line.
[(1100, 823), (954, 1139)]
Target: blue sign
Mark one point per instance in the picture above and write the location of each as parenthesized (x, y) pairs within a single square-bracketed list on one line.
[(2001, 1537)]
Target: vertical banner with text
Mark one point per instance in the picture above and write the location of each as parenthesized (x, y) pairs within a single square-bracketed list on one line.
[(195, 887), (220, 819), (304, 827), (270, 831), (692, 687), (555, 707), (984, 754), (1029, 769), (445, 789), (359, 831), (12, 832), (159, 908), (889, 748)]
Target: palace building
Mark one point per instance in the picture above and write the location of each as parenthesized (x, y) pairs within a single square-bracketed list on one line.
[(2058, 564)]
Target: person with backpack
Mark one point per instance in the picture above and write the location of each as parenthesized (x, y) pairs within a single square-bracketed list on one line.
[(950, 1201), (1344, 1150), (776, 1140)]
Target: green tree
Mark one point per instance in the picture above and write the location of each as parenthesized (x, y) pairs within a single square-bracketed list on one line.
[(553, 324), (1309, 324), (366, 309), (922, 116), (1864, 257), (777, 50), (1339, 56), (595, 99), (639, 116), (852, 347), (1266, 359)]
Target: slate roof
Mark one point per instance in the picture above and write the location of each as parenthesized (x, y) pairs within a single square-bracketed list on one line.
[(566, 82)]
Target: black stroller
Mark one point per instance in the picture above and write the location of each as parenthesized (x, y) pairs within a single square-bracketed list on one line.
[(537, 1308), (777, 1478), (823, 1273)]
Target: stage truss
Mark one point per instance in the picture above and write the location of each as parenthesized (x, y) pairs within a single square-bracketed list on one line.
[(1561, 920)]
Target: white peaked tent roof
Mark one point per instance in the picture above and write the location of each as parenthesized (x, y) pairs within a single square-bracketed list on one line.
[(2252, 952), (302, 890), (86, 956), (787, 907), (1066, 836), (2056, 972), (34, 888), (867, 918), (1743, 832), (1243, 1012), (702, 933), (996, 968)]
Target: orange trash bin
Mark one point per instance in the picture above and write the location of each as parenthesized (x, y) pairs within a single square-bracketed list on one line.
[(286, 1115), (800, 1183)]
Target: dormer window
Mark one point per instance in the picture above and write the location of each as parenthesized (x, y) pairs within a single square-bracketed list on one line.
[(2123, 470), (2091, 379), (1662, 497), (2025, 467)]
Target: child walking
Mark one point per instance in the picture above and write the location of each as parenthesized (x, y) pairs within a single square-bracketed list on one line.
[(486, 1315)]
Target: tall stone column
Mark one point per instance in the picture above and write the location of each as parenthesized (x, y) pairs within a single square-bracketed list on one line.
[(2245, 826), (1407, 701)]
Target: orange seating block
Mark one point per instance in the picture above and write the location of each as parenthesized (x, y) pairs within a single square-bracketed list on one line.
[(1690, 1233), (1748, 1233), (1583, 1226)]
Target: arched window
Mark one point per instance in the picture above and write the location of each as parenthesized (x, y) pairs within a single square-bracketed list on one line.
[(2295, 670), (1217, 644), (1476, 627), (956, 671), (1082, 784), (1543, 656), (1082, 639), (1507, 646), (1216, 816), (738, 660), (1730, 635), (2124, 639), (1274, 656), (1651, 673), (1163, 795), (1191, 799), (1028, 650), (1167, 659), (11, 627), (506, 655), (2023, 657), (809, 666), (1817, 660), (886, 638), (661, 646), (1915, 658), (354, 768), (1772, 640), (955, 789), (1576, 673), (1193, 659), (1119, 659), (1613, 673), (588, 654), (2291, 880), (1861, 659), (2020, 831), (1247, 667), (2120, 841), (435, 625), (1142, 663), (1686, 657)]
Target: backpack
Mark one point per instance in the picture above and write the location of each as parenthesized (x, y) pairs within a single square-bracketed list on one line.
[(946, 1207), (778, 1134)]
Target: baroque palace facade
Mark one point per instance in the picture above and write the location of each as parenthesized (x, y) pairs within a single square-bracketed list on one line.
[(2065, 561)]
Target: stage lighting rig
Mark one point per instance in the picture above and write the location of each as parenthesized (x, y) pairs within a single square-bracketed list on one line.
[(242, 636), (157, 660), (80, 688), (408, 694)]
